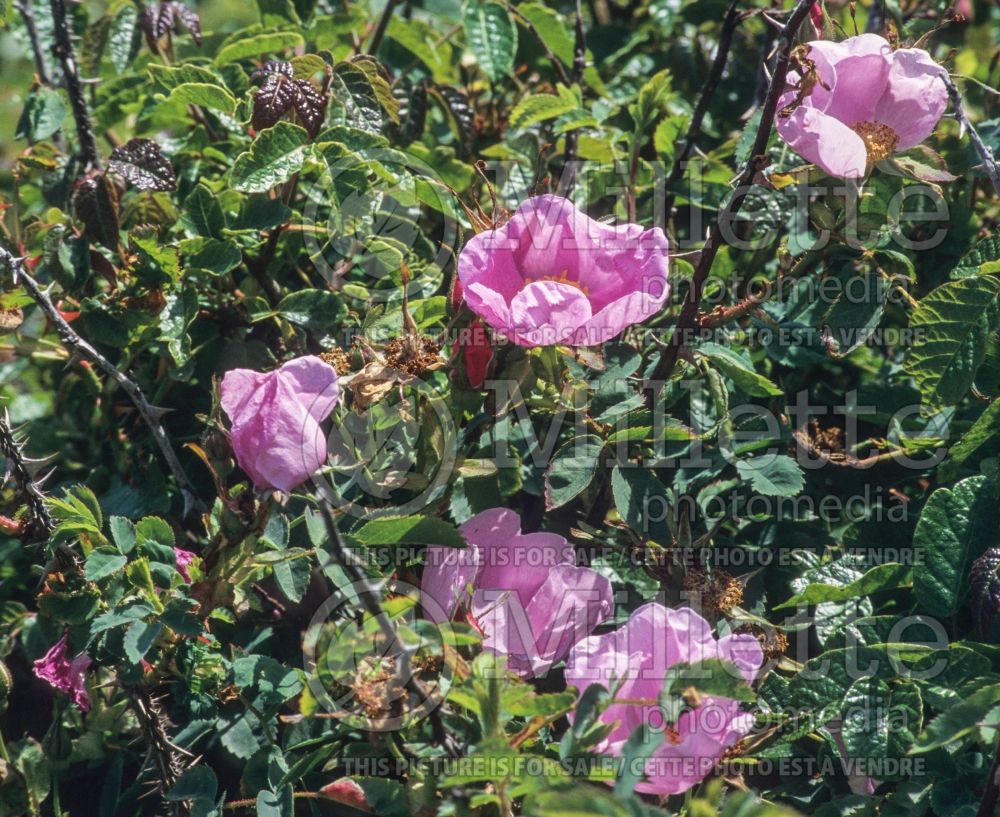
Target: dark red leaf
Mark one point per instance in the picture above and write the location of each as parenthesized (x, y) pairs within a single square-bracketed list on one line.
[(189, 19), (164, 19), (310, 105), (984, 577), (141, 162), (462, 116), (149, 27), (274, 67), (95, 203), (272, 101)]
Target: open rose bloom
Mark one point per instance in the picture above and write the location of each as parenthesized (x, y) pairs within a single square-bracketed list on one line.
[(636, 657), (867, 103), (522, 591), (552, 275), (66, 674), (276, 420)]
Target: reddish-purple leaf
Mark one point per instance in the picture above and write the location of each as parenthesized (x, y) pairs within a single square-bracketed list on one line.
[(141, 162), (310, 105), (95, 203), (274, 67), (189, 19), (984, 578), (272, 101), (281, 92)]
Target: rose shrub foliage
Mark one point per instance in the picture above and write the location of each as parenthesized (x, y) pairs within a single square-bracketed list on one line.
[(450, 408)]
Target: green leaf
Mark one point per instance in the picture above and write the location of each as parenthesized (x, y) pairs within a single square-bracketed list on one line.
[(197, 783), (713, 677), (959, 721), (982, 252), (205, 95), (851, 318), (492, 37), (738, 370), (637, 749), (889, 576), (275, 155), (275, 804), (139, 638), (122, 533), (278, 12), (951, 327), (292, 574), (202, 213), (651, 99), (215, 256), (170, 76), (257, 45), (641, 500), (572, 470), (879, 720), (354, 90), (550, 28), (134, 611), (408, 530), (984, 430), (43, 115), (102, 562), (542, 107), (772, 475), (424, 41), (956, 526), (317, 310), (152, 529), (123, 37)]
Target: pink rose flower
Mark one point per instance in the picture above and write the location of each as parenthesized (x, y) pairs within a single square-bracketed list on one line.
[(276, 434), (638, 654), (183, 559), (64, 674), (868, 103), (553, 275), (529, 598)]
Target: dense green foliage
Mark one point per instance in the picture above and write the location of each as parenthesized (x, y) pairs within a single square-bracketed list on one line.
[(303, 185)]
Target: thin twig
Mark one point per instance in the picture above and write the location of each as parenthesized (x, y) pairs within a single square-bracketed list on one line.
[(708, 90), (984, 151), (28, 14), (63, 49), (373, 606), (757, 161), (40, 521), (383, 24), (573, 137), (150, 414)]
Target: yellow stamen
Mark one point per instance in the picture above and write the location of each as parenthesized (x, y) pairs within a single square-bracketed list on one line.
[(561, 278), (880, 140)]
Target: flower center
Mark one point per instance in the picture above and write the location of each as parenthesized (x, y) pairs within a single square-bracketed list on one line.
[(880, 140), (561, 278)]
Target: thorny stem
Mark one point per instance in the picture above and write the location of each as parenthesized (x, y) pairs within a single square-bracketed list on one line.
[(757, 161), (373, 606), (985, 153), (168, 758), (150, 414), (63, 49), (573, 137), (28, 13), (708, 90), (17, 463)]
